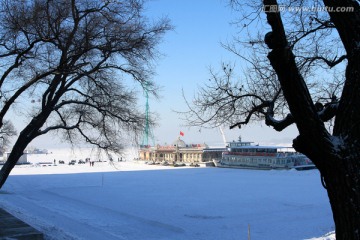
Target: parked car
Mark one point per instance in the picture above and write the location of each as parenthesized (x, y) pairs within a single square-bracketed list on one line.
[(72, 162), (81, 161)]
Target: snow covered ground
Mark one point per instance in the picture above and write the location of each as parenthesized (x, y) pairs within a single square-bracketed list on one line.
[(130, 200)]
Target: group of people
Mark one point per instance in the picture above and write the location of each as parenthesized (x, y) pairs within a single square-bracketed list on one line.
[(87, 160)]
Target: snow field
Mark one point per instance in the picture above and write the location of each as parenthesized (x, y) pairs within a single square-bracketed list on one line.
[(135, 201)]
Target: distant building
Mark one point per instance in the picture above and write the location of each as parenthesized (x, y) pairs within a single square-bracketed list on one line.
[(22, 159), (37, 151), (210, 154), (179, 151)]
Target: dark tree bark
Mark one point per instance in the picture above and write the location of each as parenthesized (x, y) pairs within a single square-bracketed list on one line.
[(337, 157), (29, 133)]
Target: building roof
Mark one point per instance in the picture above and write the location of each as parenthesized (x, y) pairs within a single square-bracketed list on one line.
[(179, 143)]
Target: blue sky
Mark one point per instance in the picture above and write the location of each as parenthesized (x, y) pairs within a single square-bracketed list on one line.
[(188, 52)]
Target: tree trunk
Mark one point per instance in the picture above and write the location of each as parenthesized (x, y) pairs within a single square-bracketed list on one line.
[(23, 140), (342, 183), (338, 162), (30, 132)]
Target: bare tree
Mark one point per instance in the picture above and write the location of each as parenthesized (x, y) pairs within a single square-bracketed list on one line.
[(77, 57), (7, 131), (304, 71)]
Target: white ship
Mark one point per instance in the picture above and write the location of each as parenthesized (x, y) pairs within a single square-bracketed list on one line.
[(245, 155)]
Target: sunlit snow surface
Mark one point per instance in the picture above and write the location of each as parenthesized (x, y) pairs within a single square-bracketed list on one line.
[(135, 201)]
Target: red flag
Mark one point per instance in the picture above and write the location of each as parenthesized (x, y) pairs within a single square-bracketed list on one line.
[(181, 133)]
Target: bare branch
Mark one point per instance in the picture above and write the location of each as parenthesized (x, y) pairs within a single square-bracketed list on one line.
[(76, 57)]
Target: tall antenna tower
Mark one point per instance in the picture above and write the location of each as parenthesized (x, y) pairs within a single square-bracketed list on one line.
[(147, 130)]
